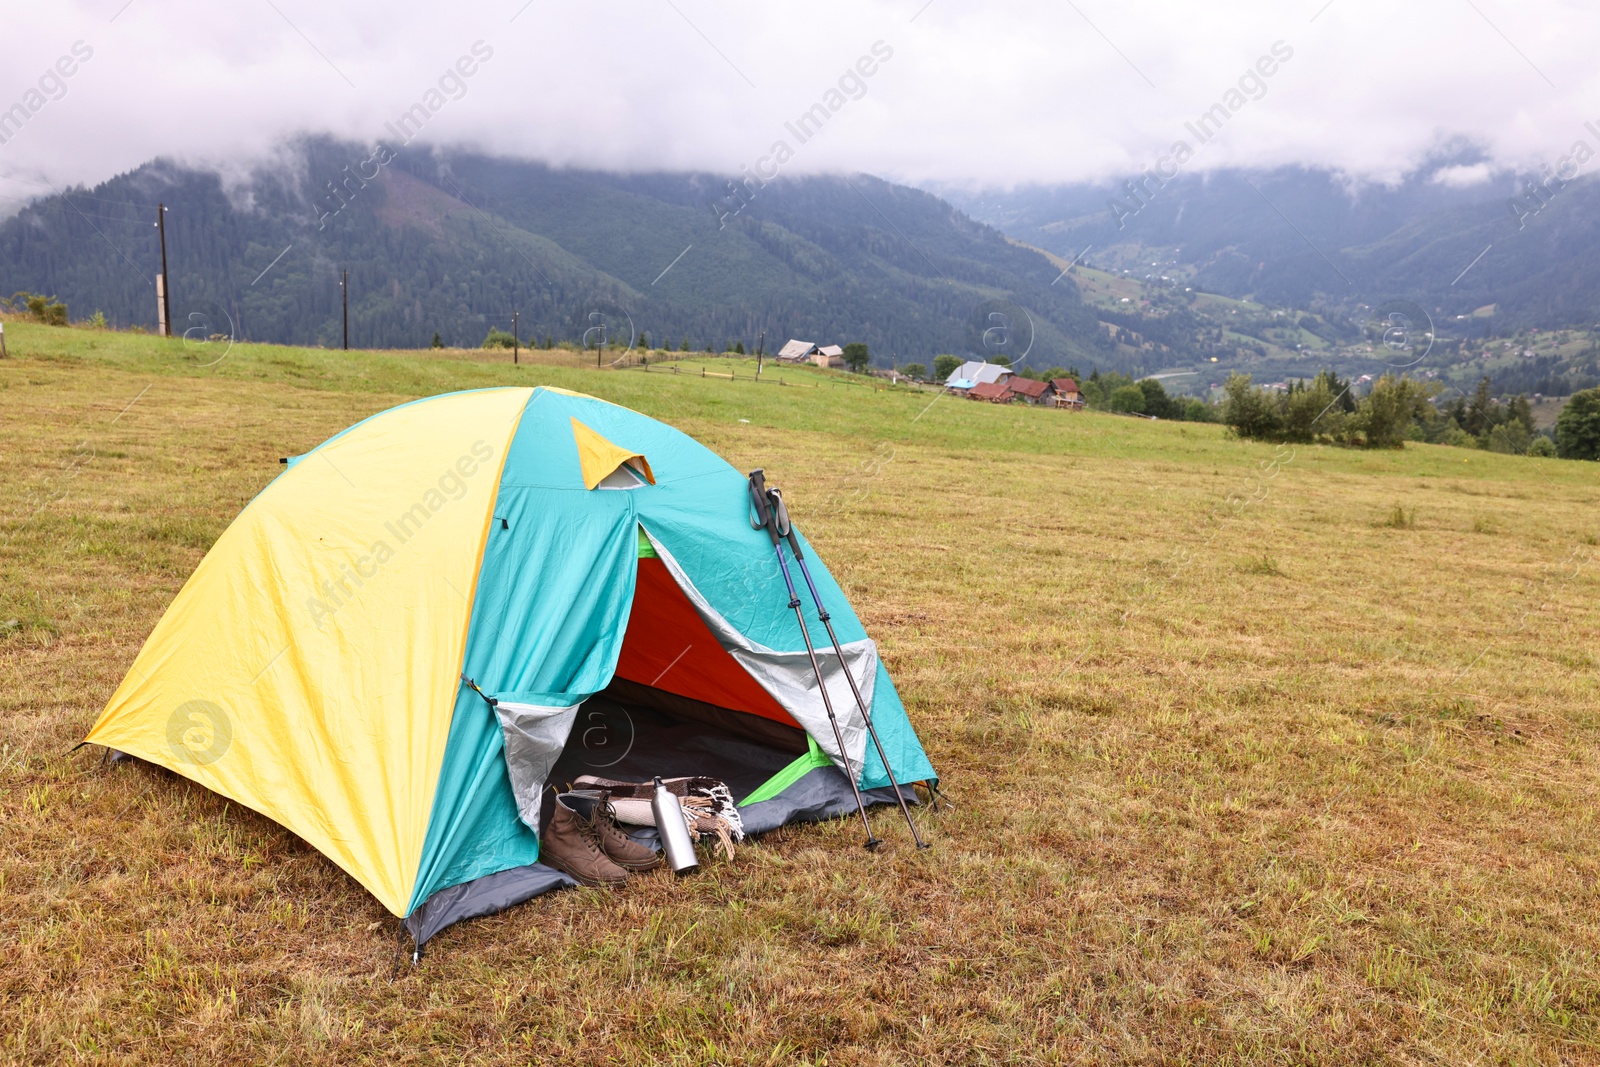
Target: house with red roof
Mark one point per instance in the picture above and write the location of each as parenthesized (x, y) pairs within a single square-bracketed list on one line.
[(1065, 393), (993, 392), (1030, 391)]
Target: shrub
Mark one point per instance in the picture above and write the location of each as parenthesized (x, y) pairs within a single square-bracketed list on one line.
[(1157, 402), (1386, 414), (45, 309), (499, 339), (1578, 426), (1312, 411), (1510, 438), (1248, 411), (437, 342), (1128, 398), (914, 370), (1542, 447), (1097, 388), (1400, 519)]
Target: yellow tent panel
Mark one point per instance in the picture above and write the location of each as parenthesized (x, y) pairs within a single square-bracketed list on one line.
[(598, 457), (365, 552)]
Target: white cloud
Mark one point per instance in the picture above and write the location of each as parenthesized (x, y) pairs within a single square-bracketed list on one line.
[(975, 93), (1461, 177)]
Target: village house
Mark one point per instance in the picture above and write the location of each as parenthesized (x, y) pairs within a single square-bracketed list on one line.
[(1031, 392), (993, 392), (797, 351), (804, 351), (1065, 393), (973, 373), (828, 356)]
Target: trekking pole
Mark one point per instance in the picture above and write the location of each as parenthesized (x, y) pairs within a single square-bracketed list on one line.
[(780, 517), (758, 497)]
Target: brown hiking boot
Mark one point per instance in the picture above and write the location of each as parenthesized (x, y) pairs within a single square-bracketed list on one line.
[(621, 849), (572, 844)]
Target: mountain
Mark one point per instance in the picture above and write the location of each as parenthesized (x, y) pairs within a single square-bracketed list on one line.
[(451, 242), (1302, 237), (1279, 273)]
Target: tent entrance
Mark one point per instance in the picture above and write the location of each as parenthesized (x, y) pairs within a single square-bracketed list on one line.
[(668, 646), (679, 704)]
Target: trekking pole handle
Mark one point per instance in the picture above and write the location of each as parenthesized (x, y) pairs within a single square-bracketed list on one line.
[(758, 499)]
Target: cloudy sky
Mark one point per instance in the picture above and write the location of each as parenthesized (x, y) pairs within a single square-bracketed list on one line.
[(989, 94)]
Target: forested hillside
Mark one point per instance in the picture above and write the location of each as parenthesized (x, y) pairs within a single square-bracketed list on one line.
[(451, 244)]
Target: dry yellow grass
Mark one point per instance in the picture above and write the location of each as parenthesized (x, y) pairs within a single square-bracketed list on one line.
[(1243, 770)]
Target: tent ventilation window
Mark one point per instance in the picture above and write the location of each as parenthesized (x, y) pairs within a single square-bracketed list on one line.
[(624, 477)]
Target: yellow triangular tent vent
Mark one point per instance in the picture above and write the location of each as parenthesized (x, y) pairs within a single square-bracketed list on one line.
[(599, 458)]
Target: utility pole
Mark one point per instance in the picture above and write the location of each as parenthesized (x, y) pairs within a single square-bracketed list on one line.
[(761, 347), (344, 293), (516, 341), (163, 290)]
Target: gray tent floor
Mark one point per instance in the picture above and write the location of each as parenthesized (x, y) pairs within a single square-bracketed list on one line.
[(629, 742)]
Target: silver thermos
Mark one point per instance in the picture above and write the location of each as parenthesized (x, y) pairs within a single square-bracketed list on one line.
[(674, 832)]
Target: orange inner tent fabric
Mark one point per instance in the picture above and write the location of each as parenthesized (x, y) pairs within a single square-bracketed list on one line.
[(667, 646)]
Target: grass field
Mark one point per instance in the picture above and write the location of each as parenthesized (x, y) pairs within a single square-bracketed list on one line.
[(1256, 754)]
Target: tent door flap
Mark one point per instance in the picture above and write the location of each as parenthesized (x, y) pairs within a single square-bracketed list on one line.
[(534, 737)]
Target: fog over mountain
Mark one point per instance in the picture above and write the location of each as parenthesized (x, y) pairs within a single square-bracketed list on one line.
[(962, 93)]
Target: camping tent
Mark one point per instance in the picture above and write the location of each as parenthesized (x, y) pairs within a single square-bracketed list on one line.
[(592, 569)]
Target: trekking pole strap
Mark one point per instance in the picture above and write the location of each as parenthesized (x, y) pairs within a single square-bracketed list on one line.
[(780, 514)]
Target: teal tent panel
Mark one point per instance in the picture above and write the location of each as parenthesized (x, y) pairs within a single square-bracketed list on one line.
[(474, 829), (674, 456), (553, 596), (705, 524), (548, 618), (899, 740)]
